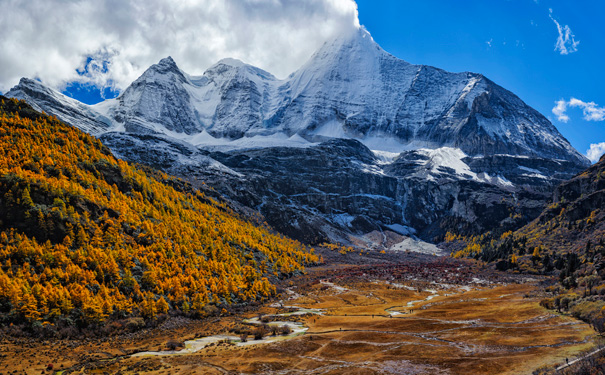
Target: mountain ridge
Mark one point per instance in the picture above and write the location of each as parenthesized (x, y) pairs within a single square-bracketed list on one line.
[(445, 147), (351, 88)]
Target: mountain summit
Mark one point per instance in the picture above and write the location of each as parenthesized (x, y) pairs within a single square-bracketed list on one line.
[(413, 145), (350, 88)]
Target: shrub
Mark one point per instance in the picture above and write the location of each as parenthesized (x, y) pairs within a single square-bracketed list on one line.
[(174, 345), (274, 330), (548, 303), (211, 310), (285, 330), (587, 311), (260, 332), (134, 324)]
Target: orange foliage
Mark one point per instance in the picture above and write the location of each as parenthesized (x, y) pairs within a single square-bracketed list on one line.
[(80, 229)]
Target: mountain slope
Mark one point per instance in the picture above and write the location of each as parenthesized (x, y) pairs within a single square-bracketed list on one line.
[(572, 225), (448, 151), (86, 236), (567, 239), (575, 220)]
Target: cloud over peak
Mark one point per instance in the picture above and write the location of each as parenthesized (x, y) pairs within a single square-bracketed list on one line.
[(109, 43)]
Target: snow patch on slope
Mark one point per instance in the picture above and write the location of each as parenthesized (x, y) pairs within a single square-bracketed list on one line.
[(418, 246), (208, 142), (446, 161)]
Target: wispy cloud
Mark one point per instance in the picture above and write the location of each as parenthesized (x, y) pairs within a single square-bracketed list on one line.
[(489, 42), (566, 42), (595, 151), (590, 110)]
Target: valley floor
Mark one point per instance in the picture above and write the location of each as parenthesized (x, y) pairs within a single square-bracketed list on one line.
[(430, 315)]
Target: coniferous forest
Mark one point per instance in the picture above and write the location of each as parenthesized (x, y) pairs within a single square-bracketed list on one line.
[(86, 237)]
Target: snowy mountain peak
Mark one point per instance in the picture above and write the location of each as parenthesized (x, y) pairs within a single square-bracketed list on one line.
[(48, 100), (350, 88), (167, 62), (31, 82), (359, 40), (32, 86), (27, 89), (158, 99), (354, 50), (165, 70), (230, 62), (228, 68)]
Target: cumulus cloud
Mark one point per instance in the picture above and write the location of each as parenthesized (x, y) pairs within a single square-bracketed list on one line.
[(595, 151), (566, 42), (110, 43), (590, 110), (559, 110)]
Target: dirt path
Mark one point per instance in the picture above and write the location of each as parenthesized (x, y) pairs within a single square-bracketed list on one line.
[(580, 358)]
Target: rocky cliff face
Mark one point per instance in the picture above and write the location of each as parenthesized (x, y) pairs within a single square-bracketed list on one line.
[(341, 188), (571, 228), (346, 185), (355, 141)]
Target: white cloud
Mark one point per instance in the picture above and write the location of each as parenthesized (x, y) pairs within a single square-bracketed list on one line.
[(112, 42), (559, 111), (595, 151), (566, 42), (590, 110)]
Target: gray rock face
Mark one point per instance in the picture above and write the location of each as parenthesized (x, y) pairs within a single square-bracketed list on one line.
[(340, 187), (355, 141)]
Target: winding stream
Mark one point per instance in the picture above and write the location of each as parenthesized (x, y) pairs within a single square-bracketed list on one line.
[(192, 346), (297, 328), (391, 310)]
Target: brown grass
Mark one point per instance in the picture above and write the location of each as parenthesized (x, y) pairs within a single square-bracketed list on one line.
[(483, 331)]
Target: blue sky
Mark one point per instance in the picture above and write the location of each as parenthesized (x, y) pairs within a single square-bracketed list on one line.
[(520, 55)]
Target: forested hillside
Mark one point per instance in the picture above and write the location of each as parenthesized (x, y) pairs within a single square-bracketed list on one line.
[(567, 240), (87, 237), (571, 226)]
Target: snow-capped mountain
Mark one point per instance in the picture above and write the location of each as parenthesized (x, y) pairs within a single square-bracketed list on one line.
[(350, 88), (420, 142), (45, 99)]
